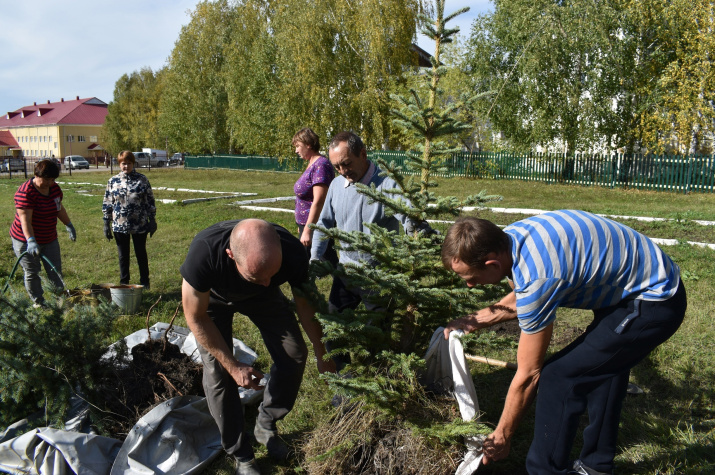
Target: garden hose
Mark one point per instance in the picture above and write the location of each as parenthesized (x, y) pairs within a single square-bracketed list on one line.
[(14, 268)]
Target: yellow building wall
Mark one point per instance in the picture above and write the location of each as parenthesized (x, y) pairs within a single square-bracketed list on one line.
[(57, 141), (82, 136)]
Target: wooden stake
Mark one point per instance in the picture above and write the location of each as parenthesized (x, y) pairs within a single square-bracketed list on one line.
[(492, 362)]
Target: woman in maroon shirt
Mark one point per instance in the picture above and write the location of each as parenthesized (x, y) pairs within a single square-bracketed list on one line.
[(38, 205)]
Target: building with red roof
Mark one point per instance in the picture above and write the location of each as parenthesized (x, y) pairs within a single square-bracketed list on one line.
[(54, 129), (7, 143)]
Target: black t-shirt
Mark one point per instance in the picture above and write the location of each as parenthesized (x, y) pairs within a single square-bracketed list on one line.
[(208, 267)]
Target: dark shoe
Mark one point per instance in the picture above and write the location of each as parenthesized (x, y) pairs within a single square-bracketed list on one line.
[(579, 468), (247, 468), (277, 449)]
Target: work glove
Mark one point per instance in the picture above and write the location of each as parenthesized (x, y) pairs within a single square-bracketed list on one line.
[(108, 229), (70, 229), (32, 248), (152, 227)]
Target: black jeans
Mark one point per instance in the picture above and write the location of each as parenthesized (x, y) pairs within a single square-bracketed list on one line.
[(139, 250), (592, 374), (270, 311)]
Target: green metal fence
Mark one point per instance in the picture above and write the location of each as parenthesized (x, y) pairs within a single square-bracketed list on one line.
[(649, 172)]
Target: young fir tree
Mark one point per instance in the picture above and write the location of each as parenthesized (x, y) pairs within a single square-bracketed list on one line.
[(409, 280), (49, 354)]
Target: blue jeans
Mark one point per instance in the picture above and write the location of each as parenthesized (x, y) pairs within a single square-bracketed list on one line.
[(32, 267), (591, 374)]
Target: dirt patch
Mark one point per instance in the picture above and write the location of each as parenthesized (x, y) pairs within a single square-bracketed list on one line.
[(563, 335), (157, 372), (510, 328)]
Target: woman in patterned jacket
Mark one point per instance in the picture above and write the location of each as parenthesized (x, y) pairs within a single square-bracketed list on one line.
[(130, 212)]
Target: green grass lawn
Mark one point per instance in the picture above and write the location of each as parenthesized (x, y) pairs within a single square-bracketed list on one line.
[(667, 430)]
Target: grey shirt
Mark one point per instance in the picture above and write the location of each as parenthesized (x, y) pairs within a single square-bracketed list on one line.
[(349, 210)]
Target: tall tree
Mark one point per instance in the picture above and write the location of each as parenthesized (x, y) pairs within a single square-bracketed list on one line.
[(681, 116), (407, 278), (131, 121), (194, 104), (546, 61), (328, 64)]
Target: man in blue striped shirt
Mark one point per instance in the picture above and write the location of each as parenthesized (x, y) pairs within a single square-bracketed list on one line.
[(569, 259)]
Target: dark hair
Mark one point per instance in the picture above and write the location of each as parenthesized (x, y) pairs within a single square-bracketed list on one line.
[(471, 239), (47, 169), (355, 145), (126, 155), (307, 137)]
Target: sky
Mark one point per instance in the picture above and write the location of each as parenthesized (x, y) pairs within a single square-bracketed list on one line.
[(51, 50)]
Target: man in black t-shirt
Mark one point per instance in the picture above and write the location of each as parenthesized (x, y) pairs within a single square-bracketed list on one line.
[(239, 266)]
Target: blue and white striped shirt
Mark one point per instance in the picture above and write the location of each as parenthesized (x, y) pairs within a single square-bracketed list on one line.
[(576, 259)]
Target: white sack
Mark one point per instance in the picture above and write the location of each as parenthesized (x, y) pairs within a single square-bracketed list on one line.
[(447, 370)]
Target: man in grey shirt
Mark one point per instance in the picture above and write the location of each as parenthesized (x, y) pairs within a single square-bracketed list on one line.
[(348, 210)]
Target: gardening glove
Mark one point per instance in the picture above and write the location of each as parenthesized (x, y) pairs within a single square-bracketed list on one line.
[(70, 229), (108, 229), (32, 248), (152, 227)]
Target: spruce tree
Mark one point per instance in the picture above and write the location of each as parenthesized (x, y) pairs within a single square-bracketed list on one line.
[(409, 280), (49, 354)]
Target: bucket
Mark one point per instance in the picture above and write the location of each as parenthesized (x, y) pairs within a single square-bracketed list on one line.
[(127, 297)]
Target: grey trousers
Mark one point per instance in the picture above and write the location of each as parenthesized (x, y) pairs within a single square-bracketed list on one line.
[(270, 311), (32, 267)]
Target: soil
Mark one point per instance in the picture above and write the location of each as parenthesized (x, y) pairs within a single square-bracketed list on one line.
[(563, 335), (508, 328), (158, 372)]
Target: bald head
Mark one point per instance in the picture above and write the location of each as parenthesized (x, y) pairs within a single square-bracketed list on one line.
[(256, 248)]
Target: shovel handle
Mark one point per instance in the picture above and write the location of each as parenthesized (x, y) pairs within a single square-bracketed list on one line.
[(492, 362)]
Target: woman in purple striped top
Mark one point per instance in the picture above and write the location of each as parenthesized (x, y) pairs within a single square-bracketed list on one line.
[(311, 188)]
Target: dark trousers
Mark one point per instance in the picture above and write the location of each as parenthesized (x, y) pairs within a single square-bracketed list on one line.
[(592, 374), (270, 311), (139, 250), (343, 297), (330, 254)]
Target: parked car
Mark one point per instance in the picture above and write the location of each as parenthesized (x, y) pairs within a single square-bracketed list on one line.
[(177, 159), (76, 162), (143, 159), (12, 164)]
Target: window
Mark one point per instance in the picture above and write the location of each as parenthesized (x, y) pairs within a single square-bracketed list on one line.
[(55, 144), (49, 139), (92, 138), (80, 138), (69, 138)]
